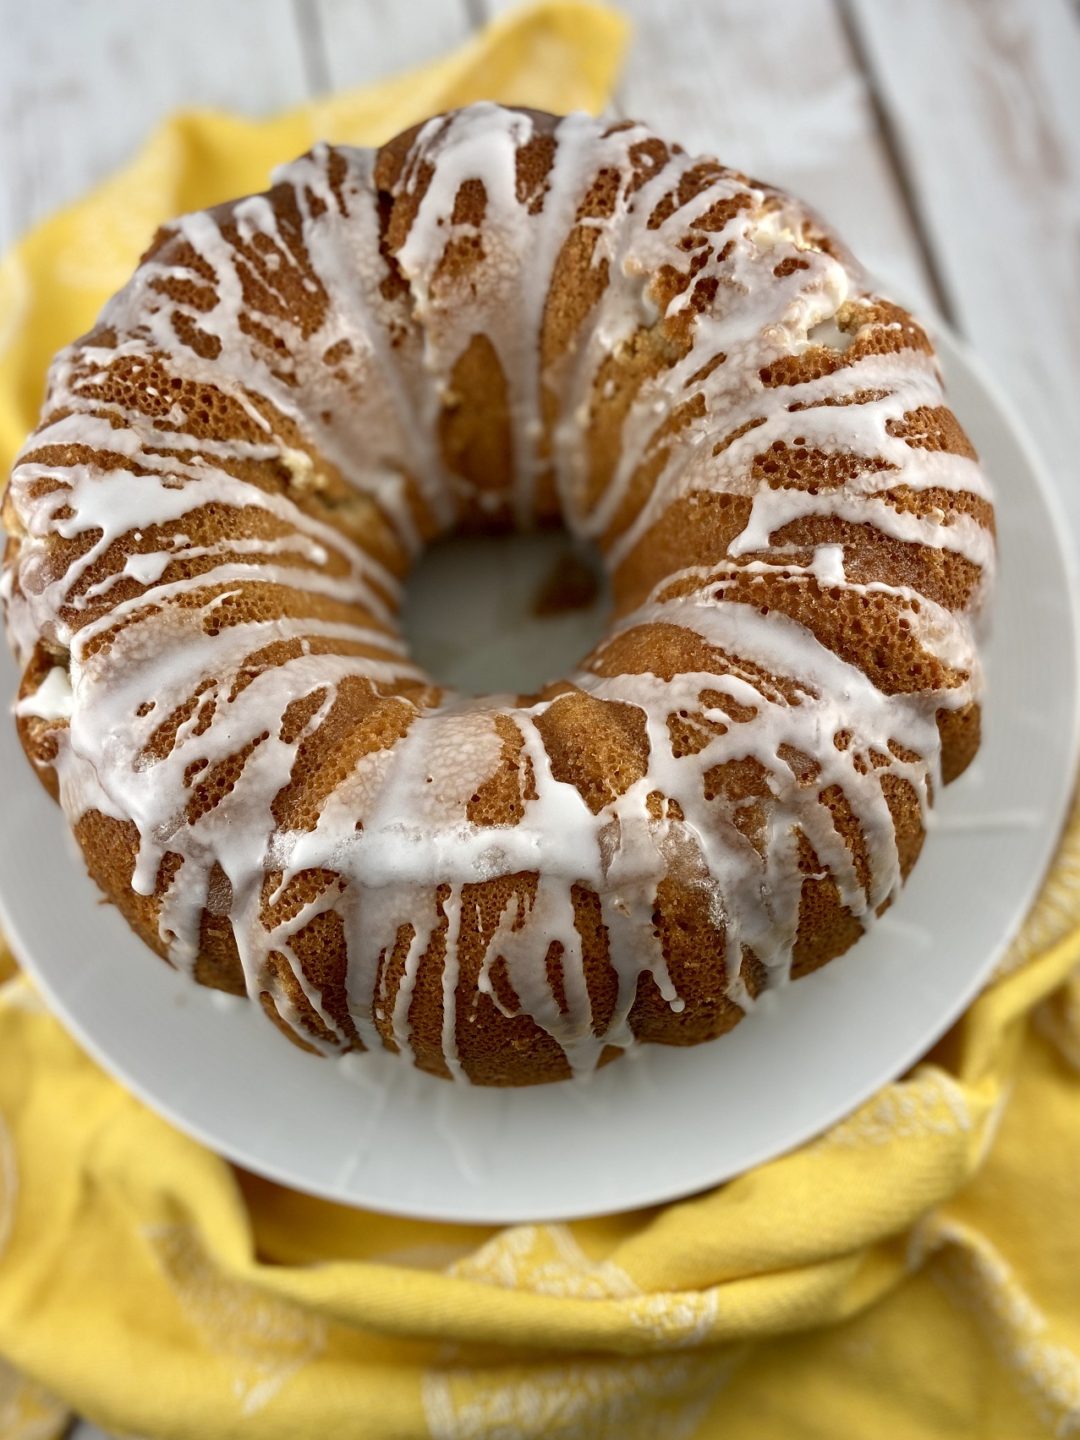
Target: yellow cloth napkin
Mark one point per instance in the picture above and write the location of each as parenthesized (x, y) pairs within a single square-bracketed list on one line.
[(914, 1272)]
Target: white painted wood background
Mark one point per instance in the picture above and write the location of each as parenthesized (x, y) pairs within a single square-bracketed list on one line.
[(941, 137)]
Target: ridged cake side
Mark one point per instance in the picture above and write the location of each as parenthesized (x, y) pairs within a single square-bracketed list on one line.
[(499, 319)]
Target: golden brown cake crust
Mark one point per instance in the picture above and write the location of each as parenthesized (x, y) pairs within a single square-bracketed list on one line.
[(499, 319)]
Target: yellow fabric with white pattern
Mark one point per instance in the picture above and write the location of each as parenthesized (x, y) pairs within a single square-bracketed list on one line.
[(914, 1272)]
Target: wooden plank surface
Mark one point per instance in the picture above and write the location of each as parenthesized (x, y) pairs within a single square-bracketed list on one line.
[(82, 83), (364, 40), (984, 97)]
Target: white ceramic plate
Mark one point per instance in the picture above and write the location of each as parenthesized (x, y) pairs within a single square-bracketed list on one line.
[(371, 1131)]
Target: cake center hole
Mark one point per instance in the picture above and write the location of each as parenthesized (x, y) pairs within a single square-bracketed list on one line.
[(491, 614)]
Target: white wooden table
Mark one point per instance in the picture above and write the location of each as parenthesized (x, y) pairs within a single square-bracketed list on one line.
[(942, 137)]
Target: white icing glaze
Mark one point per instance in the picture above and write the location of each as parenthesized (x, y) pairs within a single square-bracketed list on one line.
[(52, 700), (363, 390)]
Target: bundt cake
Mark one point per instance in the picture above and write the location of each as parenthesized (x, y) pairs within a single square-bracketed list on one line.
[(499, 319)]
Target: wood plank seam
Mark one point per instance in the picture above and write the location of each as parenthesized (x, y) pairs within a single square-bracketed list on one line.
[(476, 13), (313, 48), (893, 147)]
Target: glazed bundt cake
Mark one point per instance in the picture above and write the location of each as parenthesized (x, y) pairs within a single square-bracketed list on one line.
[(499, 319)]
